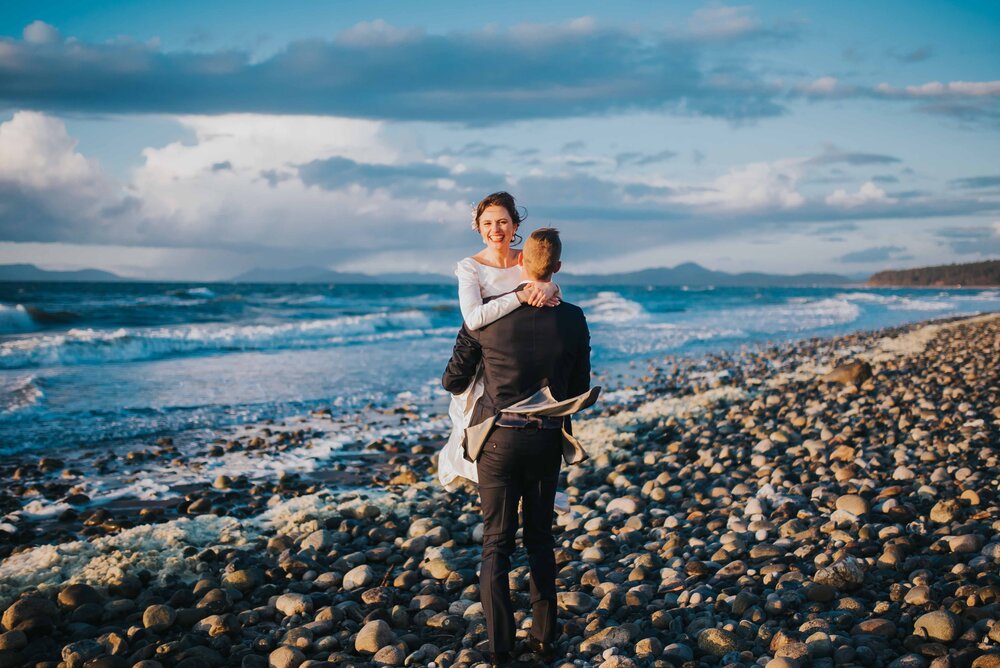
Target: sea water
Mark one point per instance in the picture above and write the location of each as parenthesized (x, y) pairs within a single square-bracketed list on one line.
[(83, 364)]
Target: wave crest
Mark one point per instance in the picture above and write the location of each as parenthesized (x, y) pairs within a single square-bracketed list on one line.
[(92, 346), (14, 319)]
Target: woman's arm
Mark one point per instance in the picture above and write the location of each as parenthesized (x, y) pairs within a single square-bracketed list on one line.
[(470, 299)]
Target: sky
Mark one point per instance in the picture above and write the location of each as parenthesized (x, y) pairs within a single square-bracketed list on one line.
[(194, 141)]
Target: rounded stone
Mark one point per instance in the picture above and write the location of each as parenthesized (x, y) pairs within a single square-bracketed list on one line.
[(294, 604), (28, 609), (244, 580), (853, 503), (718, 642), (77, 594), (285, 657), (782, 662), (358, 577), (625, 505), (373, 636), (390, 655), (920, 595), (939, 625), (13, 640), (158, 618)]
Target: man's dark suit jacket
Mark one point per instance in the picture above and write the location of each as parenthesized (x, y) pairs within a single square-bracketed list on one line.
[(523, 352)]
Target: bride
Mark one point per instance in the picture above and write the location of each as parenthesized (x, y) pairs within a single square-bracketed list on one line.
[(490, 272)]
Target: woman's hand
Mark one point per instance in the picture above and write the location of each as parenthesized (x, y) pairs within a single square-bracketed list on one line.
[(540, 294)]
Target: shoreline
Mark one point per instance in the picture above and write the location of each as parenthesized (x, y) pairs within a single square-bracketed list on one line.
[(651, 546)]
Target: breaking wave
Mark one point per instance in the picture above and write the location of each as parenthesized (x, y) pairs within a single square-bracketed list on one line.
[(93, 346)]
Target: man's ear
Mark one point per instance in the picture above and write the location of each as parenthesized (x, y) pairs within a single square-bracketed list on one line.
[(520, 259), (558, 267)]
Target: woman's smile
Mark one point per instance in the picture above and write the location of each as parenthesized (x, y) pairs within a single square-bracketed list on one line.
[(496, 226)]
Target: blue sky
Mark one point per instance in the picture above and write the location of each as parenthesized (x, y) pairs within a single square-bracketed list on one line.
[(196, 140)]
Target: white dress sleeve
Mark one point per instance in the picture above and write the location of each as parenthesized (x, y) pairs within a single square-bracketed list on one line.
[(470, 298)]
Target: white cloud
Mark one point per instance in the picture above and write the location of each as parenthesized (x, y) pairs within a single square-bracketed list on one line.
[(722, 21), (755, 186), (868, 193), (235, 186), (377, 33), (36, 151), (40, 32), (939, 89), (46, 185), (820, 86)]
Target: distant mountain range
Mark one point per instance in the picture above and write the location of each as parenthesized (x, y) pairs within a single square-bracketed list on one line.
[(971, 274), (689, 273), (692, 274), (29, 272)]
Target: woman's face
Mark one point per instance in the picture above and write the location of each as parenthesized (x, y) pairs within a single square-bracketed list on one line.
[(496, 227)]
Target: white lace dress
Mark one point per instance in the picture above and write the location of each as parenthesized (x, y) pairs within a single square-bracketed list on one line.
[(476, 282)]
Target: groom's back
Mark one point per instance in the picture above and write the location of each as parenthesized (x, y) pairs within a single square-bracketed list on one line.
[(529, 349)]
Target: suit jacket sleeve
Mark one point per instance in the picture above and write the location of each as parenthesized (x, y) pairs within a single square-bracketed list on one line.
[(579, 376), (464, 361)]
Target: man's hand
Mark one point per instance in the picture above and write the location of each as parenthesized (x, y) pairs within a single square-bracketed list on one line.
[(539, 294)]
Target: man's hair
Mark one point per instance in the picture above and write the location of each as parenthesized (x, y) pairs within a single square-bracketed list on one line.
[(541, 252)]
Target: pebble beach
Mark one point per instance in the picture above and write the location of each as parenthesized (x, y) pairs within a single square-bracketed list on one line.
[(823, 502)]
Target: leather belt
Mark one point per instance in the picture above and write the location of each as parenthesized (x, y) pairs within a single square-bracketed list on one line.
[(523, 421)]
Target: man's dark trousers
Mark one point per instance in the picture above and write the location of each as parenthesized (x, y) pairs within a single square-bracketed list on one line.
[(518, 464)]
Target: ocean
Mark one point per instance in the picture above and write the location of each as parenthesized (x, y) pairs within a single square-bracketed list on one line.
[(84, 365)]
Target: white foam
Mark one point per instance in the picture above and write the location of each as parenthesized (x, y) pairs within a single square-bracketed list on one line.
[(20, 394), (916, 341), (201, 292), (611, 307), (898, 302), (159, 548), (89, 346), (15, 319)]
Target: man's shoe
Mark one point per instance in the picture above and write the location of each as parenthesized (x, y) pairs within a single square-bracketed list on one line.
[(545, 650), (498, 659)]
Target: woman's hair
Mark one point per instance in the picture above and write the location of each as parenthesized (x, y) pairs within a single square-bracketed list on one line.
[(506, 200)]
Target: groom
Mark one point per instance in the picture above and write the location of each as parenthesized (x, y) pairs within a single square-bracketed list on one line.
[(536, 371)]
